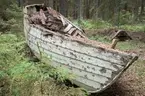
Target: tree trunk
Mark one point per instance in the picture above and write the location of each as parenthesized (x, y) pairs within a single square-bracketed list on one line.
[(80, 10), (142, 7), (96, 8), (136, 13), (63, 7), (87, 9), (50, 3)]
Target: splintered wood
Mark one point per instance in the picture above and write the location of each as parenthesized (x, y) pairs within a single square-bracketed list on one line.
[(52, 20)]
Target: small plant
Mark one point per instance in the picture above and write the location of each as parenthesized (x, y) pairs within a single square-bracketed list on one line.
[(99, 38), (22, 73), (135, 28), (96, 24)]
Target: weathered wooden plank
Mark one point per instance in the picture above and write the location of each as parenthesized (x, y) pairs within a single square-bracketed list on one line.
[(71, 30), (88, 84), (87, 50), (114, 43), (76, 64), (93, 77), (92, 84), (77, 56), (68, 28), (83, 74)]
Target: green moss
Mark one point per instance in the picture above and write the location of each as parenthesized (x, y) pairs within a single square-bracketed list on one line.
[(99, 38), (93, 24), (130, 45), (100, 24), (22, 72)]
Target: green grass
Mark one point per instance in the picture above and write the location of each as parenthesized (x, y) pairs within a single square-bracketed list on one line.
[(91, 24), (130, 45), (100, 24), (140, 67), (124, 46), (134, 28), (22, 73), (18, 73), (14, 22), (100, 38)]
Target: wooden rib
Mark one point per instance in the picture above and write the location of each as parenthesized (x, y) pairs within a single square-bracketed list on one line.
[(93, 67), (71, 30), (68, 28), (114, 43), (63, 21)]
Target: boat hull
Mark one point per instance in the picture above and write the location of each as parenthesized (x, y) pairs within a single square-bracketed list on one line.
[(95, 68)]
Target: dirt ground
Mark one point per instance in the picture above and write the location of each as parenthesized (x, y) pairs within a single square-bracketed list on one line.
[(132, 82)]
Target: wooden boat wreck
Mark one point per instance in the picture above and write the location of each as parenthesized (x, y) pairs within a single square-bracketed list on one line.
[(96, 65)]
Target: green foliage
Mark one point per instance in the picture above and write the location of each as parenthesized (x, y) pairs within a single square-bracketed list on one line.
[(124, 46), (99, 38), (2, 74), (60, 74), (22, 72), (140, 66), (135, 28), (130, 45), (93, 24), (3, 25), (19, 72), (100, 24), (14, 12), (124, 17), (13, 19), (8, 38)]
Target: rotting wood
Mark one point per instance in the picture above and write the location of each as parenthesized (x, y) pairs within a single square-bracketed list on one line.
[(121, 35), (95, 65), (114, 43), (52, 20)]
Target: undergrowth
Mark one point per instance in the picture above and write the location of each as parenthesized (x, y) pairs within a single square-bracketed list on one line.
[(100, 24), (22, 73), (99, 38), (130, 45), (93, 24), (124, 46), (19, 74), (13, 20)]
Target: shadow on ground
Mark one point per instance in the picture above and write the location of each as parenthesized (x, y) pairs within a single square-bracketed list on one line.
[(131, 83), (115, 90)]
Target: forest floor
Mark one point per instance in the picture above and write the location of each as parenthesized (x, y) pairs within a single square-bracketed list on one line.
[(14, 63), (132, 82)]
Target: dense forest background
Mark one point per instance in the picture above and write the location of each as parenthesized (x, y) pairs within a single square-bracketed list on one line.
[(114, 11)]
